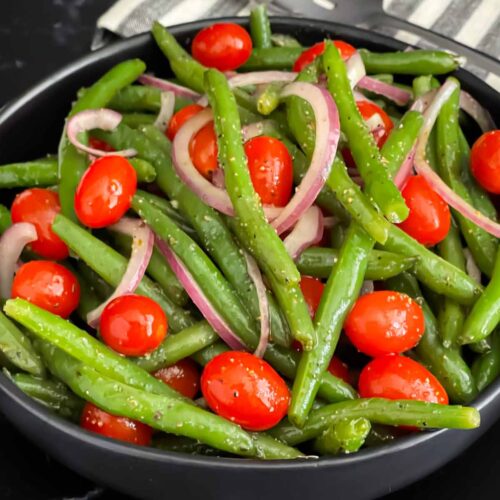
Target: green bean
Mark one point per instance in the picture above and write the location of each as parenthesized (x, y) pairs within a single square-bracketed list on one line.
[(110, 265), (100, 287), (446, 364), (272, 58), (485, 313), (136, 120), (381, 434), (72, 164), (421, 85), (5, 218), (379, 411), (345, 436), (269, 99), (180, 444), (378, 184), (337, 237), (260, 27), (144, 170), (339, 295), (417, 62), (384, 77), (282, 40), (137, 98), (318, 262), (481, 347), (486, 368), (42, 172)]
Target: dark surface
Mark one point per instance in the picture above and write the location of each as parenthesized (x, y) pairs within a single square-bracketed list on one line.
[(36, 38)]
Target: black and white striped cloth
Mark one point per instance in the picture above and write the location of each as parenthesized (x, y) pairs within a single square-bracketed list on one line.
[(475, 23)]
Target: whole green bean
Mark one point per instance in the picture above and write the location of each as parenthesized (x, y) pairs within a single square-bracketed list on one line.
[(417, 62), (486, 368), (144, 170), (100, 287), (137, 98), (378, 184), (269, 99), (272, 58), (260, 27), (282, 40), (136, 120), (180, 444), (42, 172), (345, 436), (5, 218)]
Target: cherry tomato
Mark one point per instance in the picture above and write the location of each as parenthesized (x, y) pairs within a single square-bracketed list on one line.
[(429, 219), (94, 419), (40, 206), (340, 369), (245, 389), (399, 377), (485, 161), (225, 46), (47, 285), (384, 322), (312, 288), (96, 143), (181, 117), (369, 109), (105, 191), (133, 325), (183, 376), (271, 170), (203, 150), (307, 57)]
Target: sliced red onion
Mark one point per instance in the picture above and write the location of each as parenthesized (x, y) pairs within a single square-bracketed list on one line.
[(436, 183), (476, 111), (471, 267), (142, 248), (12, 243), (308, 231), (199, 298), (166, 86), (405, 170), (166, 110), (423, 102), (327, 137), (260, 288), (376, 126), (398, 95), (367, 287), (104, 119), (355, 69), (218, 178), (330, 222), (253, 130)]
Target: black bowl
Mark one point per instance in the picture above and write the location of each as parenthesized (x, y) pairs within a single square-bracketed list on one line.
[(30, 127)]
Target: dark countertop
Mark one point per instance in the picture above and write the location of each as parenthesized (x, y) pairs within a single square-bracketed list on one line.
[(36, 38)]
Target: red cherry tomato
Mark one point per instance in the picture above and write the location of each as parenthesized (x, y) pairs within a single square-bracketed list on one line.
[(384, 322), (271, 170), (203, 150), (181, 117), (312, 288), (369, 109), (133, 325), (485, 161), (100, 144), (105, 191), (40, 206), (245, 389), (399, 377), (94, 419), (339, 369), (183, 376), (429, 219), (225, 46), (47, 285), (307, 57)]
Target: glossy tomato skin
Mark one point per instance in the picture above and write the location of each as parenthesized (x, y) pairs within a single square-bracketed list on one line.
[(225, 46), (203, 150), (367, 109), (40, 206), (485, 161), (47, 285), (181, 117), (183, 376), (133, 325), (95, 420), (384, 322), (307, 57), (105, 191), (271, 170), (312, 289), (339, 369), (398, 377), (245, 389), (430, 218)]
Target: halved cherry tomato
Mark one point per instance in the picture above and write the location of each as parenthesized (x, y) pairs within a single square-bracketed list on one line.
[(96, 143), (271, 170), (399, 377), (385, 322), (245, 389), (94, 419), (105, 191), (312, 288), (203, 150), (429, 219), (340, 369), (183, 376), (181, 117), (307, 57), (368, 110), (225, 46), (47, 285), (485, 161), (133, 325), (40, 206)]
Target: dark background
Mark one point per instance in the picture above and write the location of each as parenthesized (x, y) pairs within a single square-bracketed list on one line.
[(36, 38)]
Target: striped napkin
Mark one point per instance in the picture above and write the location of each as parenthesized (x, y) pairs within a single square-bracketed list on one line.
[(475, 23)]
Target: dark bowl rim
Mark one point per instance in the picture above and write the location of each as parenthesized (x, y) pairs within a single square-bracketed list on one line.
[(10, 390)]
